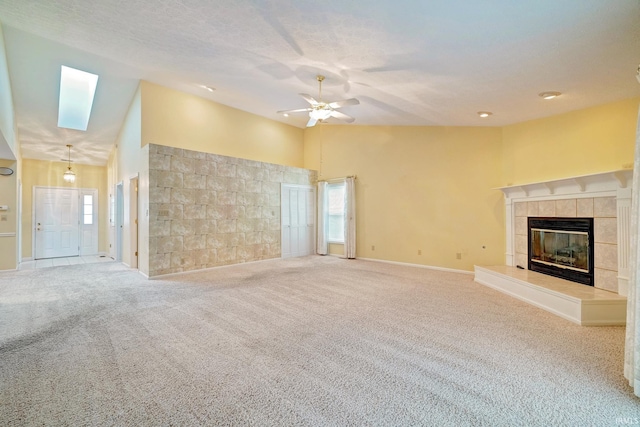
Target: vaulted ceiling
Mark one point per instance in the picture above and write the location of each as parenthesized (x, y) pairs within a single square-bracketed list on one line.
[(415, 62)]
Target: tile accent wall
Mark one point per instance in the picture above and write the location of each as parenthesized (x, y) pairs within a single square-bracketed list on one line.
[(207, 210), (603, 210)]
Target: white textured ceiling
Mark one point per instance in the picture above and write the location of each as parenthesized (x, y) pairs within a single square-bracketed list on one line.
[(412, 62)]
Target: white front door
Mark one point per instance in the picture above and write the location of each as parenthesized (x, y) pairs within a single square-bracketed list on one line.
[(298, 220), (56, 222)]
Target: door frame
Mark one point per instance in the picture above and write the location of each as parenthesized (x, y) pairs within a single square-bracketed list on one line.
[(19, 225), (133, 221), (119, 219)]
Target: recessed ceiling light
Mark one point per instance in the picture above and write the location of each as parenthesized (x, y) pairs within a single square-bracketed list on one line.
[(549, 95), (77, 90), (484, 113), (209, 88), (286, 115)]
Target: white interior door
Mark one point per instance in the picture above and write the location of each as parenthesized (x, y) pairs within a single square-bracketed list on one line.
[(298, 220), (56, 222)]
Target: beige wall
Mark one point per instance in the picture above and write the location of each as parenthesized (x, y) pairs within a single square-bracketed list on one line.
[(8, 219), (419, 188), (9, 151), (8, 130), (166, 117), (128, 160), (49, 174), (582, 142), (425, 189), (176, 119)]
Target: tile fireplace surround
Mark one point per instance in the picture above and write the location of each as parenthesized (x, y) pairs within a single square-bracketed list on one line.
[(605, 197)]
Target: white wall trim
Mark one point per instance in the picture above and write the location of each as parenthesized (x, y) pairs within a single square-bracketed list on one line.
[(182, 273), (572, 187), (7, 234)]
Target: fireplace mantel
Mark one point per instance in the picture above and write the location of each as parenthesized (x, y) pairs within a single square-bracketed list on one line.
[(575, 186), (613, 184)]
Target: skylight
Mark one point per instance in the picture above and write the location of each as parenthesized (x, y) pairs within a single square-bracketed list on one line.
[(77, 89)]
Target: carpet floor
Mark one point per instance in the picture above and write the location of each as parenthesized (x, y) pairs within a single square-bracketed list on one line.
[(317, 341)]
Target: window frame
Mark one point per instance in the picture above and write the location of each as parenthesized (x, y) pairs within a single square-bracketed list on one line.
[(332, 187)]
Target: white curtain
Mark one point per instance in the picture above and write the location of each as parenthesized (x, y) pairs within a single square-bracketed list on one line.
[(321, 247), (632, 343), (350, 218)]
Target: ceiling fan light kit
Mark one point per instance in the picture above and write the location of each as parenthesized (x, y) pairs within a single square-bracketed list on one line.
[(320, 111)]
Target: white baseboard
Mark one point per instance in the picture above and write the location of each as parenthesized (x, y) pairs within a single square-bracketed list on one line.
[(429, 267), (181, 273)]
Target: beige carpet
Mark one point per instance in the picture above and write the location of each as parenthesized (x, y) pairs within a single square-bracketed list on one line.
[(309, 341)]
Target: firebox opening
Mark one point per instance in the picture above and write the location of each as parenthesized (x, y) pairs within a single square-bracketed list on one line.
[(562, 247)]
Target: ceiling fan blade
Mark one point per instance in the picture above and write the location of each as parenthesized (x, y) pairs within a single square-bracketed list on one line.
[(312, 122), (342, 116), (310, 99), (344, 103), (299, 110)]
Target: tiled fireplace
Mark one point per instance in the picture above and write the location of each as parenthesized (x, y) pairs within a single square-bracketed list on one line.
[(602, 198)]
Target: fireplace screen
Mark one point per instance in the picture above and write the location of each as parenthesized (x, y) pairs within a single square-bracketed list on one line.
[(563, 249)]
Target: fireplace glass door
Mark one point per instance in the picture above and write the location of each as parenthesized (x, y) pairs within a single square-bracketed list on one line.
[(563, 249)]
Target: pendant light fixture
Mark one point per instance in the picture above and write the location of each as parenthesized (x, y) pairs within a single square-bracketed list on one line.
[(69, 176)]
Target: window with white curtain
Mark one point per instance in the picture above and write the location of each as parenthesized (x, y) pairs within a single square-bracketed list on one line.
[(335, 212)]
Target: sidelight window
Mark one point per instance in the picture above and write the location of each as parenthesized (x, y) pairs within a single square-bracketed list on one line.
[(335, 218), (87, 209)]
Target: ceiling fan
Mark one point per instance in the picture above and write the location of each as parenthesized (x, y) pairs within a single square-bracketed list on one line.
[(321, 111)]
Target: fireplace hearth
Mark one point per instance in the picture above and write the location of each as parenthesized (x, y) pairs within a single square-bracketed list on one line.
[(562, 247)]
